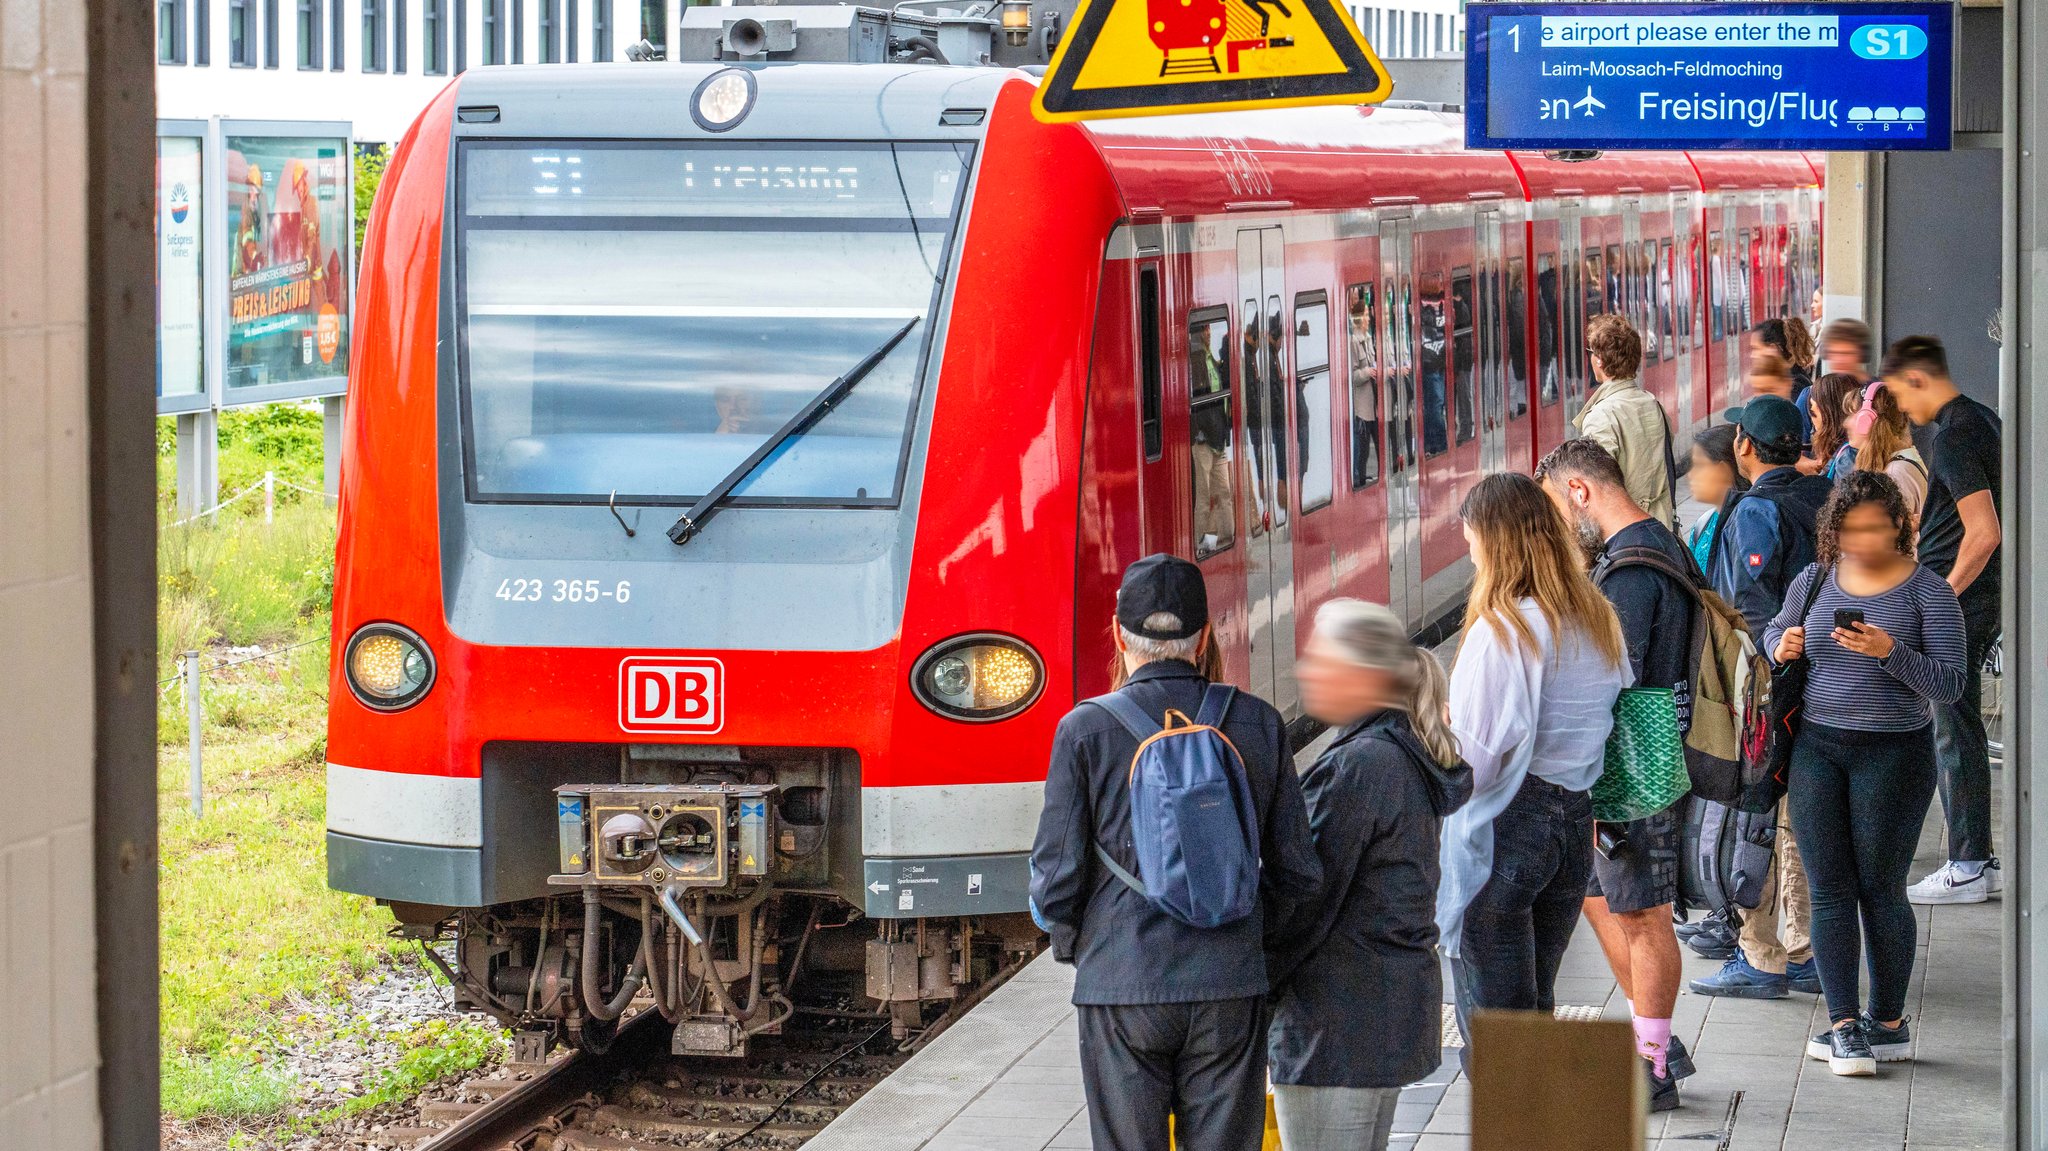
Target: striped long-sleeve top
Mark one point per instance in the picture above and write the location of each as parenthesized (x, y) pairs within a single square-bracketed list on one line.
[(1849, 690)]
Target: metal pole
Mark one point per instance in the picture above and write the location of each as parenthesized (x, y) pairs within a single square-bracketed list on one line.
[(195, 719), (269, 494), (2023, 368)]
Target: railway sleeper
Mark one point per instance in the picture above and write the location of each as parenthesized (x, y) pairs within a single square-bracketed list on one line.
[(632, 1119)]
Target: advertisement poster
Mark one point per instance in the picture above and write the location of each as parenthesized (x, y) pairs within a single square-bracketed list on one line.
[(180, 216), (288, 209)]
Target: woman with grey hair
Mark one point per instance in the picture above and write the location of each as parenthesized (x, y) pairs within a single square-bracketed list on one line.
[(1361, 958)]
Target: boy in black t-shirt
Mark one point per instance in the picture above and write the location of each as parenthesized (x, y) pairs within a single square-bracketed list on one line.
[(1959, 539)]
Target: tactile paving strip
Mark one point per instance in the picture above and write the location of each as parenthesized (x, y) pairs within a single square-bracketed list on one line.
[(1576, 1012)]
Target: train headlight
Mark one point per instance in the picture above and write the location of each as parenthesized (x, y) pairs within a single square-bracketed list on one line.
[(1017, 22), (978, 678), (723, 99), (387, 666)]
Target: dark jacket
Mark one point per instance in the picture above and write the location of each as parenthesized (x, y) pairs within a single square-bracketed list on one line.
[(1766, 537), (1357, 989), (1123, 949)]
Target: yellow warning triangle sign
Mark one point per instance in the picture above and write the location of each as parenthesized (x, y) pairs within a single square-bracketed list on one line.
[(1155, 57)]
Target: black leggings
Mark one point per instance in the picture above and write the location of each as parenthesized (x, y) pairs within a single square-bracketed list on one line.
[(1858, 799)]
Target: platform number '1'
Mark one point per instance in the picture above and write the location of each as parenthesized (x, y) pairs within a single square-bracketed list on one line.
[(1515, 34)]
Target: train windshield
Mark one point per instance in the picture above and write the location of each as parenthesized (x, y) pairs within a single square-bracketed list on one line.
[(639, 317)]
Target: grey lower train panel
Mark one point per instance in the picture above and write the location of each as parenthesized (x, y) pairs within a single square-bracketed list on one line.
[(417, 873), (921, 886)]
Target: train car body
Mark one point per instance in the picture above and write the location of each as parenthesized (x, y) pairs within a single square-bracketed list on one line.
[(1282, 343)]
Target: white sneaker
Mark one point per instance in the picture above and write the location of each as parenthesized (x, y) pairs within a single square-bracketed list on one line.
[(1950, 884), (1996, 875)]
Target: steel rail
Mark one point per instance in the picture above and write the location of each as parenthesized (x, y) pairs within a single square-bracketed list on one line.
[(540, 1102)]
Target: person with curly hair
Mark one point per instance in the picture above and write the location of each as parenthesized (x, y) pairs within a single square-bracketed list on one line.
[(1884, 644)]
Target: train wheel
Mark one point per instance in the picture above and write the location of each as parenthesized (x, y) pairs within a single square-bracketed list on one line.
[(593, 1035)]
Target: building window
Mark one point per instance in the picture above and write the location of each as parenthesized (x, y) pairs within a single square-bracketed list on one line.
[(1439, 21), (309, 34), (337, 35), (459, 25), (270, 33), (1209, 429), (494, 31), (170, 32), (202, 32), (519, 31), (241, 33), (398, 35), (551, 31), (654, 24), (433, 38), (373, 35), (600, 30)]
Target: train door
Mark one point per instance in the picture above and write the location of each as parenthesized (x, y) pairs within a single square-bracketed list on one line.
[(1269, 559), (1572, 237), (1728, 277), (1492, 358), (1681, 304), (1397, 349)]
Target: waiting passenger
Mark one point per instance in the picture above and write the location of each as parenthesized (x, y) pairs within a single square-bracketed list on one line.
[(1635, 880), (1887, 649), (1626, 420), (1846, 347), (1360, 959), (1769, 375), (1532, 702), (1714, 477), (1830, 403), (1172, 1015), (1884, 443)]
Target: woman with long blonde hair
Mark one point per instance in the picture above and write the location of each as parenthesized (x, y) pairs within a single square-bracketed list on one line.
[(1360, 958), (1884, 443), (1531, 702)]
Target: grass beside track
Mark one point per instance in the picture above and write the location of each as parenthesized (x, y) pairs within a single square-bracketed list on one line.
[(251, 935)]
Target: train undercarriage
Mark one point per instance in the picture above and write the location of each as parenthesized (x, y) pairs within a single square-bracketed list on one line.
[(705, 892)]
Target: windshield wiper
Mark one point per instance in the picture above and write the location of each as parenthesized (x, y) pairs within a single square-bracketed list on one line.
[(685, 529)]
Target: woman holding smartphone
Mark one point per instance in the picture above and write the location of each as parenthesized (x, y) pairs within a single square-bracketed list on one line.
[(1883, 641)]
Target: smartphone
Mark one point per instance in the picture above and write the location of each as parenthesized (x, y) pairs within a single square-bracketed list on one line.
[(1846, 618)]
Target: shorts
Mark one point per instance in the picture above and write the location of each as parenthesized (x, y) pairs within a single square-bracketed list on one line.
[(1644, 871)]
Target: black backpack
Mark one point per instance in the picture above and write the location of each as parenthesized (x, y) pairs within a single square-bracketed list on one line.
[(1725, 858)]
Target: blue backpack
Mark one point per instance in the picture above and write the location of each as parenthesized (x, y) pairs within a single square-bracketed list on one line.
[(1192, 818)]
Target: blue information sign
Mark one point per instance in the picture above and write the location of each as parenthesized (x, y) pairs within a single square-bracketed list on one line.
[(1822, 77)]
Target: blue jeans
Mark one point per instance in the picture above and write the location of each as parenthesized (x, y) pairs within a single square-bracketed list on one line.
[(1518, 926)]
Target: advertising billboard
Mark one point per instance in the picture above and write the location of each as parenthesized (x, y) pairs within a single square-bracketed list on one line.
[(181, 276), (288, 215)]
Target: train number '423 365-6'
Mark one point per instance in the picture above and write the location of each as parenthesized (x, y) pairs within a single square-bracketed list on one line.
[(564, 591)]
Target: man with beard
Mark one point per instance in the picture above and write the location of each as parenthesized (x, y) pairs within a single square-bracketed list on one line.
[(1636, 563)]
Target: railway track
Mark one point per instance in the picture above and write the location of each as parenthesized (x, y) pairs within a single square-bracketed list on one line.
[(636, 1096)]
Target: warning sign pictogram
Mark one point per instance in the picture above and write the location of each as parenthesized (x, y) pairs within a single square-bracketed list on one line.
[(1154, 57)]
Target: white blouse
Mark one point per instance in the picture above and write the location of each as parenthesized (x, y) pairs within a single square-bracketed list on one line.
[(1517, 715)]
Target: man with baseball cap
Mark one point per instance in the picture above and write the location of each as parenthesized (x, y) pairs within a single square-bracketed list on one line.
[(1173, 1018), (1767, 536)]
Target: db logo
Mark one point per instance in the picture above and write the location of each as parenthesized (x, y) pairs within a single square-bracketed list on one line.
[(678, 695)]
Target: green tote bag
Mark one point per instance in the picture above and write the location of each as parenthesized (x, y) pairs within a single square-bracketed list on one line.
[(1645, 770)]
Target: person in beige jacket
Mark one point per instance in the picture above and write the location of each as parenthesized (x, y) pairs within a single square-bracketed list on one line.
[(1626, 420)]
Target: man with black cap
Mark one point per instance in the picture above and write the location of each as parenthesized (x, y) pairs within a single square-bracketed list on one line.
[(1767, 537), (1173, 1017)]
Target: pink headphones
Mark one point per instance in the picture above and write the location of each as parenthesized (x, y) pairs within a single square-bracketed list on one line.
[(1866, 416)]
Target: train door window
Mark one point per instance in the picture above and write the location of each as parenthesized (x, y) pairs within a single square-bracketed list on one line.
[(1462, 328), (1716, 289), (1363, 348), (1667, 313), (1549, 299), (1209, 428), (1615, 272), (1516, 338), (1312, 414), (1148, 361), (1432, 363), (1745, 279)]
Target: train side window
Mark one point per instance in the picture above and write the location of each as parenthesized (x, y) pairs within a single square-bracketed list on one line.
[(1549, 301), (1433, 365), (1359, 320), (1517, 340), (1745, 264), (1148, 361), (1465, 405), (1667, 315), (1312, 400), (1209, 428)]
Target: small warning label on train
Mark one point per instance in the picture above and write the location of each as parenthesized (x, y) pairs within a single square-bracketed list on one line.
[(1157, 57)]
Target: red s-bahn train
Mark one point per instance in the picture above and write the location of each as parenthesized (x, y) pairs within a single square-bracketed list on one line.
[(741, 460)]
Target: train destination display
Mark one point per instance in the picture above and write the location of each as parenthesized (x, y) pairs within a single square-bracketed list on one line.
[(1819, 77)]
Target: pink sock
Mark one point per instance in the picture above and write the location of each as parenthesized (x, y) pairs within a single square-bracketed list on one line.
[(1653, 1041)]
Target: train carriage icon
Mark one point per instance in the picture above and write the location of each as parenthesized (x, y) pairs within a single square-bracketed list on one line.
[(1188, 32)]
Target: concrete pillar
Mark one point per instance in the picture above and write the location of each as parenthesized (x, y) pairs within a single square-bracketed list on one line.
[(333, 411), (1846, 227), (198, 462)]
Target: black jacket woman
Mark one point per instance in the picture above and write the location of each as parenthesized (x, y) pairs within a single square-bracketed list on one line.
[(1361, 959)]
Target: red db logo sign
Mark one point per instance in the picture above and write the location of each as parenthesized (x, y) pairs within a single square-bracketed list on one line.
[(658, 694)]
